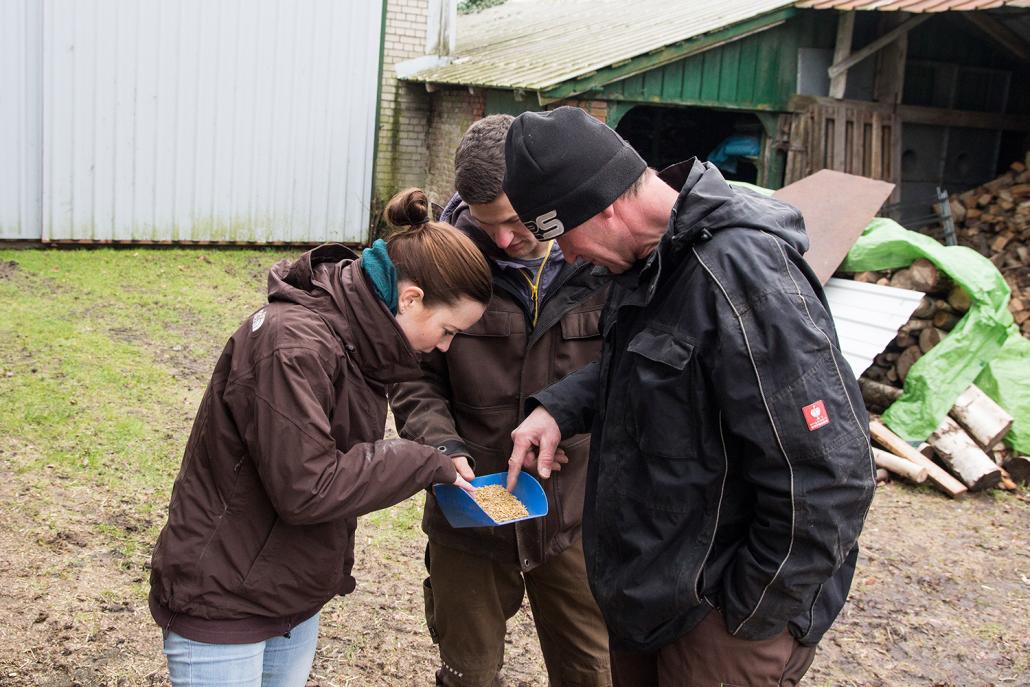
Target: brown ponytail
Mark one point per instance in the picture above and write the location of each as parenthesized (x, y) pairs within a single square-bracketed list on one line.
[(435, 256)]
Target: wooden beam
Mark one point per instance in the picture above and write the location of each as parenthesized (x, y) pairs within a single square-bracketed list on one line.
[(890, 68), (1001, 34), (885, 39), (914, 114), (845, 31), (917, 114), (802, 103), (899, 466)]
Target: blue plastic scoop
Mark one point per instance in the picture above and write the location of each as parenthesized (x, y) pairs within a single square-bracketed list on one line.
[(461, 510)]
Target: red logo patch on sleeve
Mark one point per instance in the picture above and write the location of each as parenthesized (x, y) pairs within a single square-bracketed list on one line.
[(815, 415)]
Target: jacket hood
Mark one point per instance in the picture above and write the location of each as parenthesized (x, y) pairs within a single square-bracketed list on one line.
[(707, 202), (457, 214), (329, 281)]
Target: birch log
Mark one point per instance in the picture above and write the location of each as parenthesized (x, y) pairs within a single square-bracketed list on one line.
[(961, 454), (899, 466), (984, 420), (898, 446)]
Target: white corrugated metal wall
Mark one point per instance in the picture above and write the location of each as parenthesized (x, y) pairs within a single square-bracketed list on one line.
[(21, 119), (185, 120)]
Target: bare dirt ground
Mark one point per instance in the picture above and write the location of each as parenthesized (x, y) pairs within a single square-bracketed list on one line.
[(941, 597)]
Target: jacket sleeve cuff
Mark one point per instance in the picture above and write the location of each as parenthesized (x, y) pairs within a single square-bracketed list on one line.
[(453, 448), (446, 473), (568, 423)]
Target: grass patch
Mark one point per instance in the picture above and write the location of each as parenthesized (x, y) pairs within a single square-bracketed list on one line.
[(105, 354), (104, 357), (402, 522)]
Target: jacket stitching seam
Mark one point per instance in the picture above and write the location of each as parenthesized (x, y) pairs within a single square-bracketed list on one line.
[(854, 415), (249, 370), (840, 378), (829, 343), (776, 433), (284, 416)]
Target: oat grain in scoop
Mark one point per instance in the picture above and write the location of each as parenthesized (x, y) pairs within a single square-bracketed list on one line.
[(499, 503)]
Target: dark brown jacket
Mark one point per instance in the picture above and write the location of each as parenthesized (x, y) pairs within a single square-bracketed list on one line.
[(470, 399), (286, 451)]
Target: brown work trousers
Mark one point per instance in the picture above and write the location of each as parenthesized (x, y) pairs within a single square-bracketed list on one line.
[(709, 656), (469, 600)]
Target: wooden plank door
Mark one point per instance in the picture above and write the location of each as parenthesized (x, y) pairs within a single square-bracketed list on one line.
[(844, 135)]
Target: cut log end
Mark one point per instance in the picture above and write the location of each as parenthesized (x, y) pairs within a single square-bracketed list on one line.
[(985, 421), (963, 457)]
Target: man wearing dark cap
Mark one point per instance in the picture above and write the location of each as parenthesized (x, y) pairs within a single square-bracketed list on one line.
[(541, 324), (730, 470)]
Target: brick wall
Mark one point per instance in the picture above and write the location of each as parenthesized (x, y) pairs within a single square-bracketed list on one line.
[(451, 113), (418, 131), (598, 109), (402, 156)]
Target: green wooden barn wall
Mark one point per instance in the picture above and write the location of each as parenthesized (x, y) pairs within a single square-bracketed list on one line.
[(757, 72)]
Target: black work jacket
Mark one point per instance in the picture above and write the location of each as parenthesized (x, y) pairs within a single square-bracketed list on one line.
[(730, 463)]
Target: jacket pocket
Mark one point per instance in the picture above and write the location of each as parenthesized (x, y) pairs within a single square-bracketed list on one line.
[(570, 482), (297, 567), (488, 458), (486, 431), (661, 421), (579, 345), (659, 392), (492, 323), (581, 325), (472, 379)]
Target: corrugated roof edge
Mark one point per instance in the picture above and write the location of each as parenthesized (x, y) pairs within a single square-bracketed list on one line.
[(589, 77), (592, 77)]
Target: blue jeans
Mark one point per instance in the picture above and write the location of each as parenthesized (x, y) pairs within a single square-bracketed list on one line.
[(276, 662)]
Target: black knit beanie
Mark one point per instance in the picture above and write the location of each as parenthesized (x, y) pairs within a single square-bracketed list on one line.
[(563, 167)]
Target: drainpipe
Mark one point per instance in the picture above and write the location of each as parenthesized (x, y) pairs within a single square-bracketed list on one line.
[(441, 25)]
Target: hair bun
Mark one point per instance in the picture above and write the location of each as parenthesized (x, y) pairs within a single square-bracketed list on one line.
[(408, 208)]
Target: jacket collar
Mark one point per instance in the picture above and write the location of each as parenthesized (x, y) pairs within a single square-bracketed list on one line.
[(702, 191), (329, 281)]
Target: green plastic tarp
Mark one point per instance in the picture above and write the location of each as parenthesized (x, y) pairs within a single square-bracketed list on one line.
[(985, 346)]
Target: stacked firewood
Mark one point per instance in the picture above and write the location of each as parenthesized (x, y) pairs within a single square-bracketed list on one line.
[(966, 451), (937, 314), (994, 220)]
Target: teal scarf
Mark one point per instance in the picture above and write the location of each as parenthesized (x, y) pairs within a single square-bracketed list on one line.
[(380, 270)]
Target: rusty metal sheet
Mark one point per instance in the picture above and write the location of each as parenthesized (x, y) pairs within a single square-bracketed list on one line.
[(836, 207)]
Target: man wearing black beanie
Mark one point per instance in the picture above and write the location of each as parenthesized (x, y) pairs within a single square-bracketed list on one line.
[(730, 470)]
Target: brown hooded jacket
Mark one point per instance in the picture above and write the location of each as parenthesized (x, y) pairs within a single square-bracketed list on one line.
[(285, 452)]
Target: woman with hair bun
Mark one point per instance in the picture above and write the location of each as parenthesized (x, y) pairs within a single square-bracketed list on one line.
[(287, 448)]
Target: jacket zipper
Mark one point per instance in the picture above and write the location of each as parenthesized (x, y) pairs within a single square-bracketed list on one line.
[(534, 284), (561, 280), (515, 292)]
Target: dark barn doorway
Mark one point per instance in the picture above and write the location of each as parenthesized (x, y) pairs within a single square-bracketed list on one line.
[(666, 135)]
